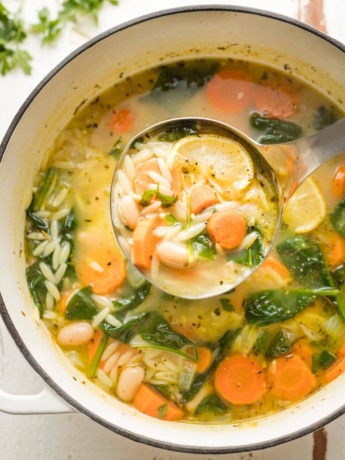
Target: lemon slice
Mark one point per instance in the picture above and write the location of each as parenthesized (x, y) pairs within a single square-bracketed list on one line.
[(213, 158), (306, 209)]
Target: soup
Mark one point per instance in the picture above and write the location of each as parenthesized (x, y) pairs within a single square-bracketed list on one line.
[(187, 203), (257, 349)]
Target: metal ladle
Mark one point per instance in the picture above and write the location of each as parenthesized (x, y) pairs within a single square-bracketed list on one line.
[(308, 154)]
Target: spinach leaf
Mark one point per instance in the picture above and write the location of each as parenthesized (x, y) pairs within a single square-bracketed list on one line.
[(81, 305), (38, 223), (204, 247), (175, 133), (304, 259), (262, 343), (275, 131), (123, 333), (322, 360), (69, 223), (185, 77), (194, 74), (338, 276), (219, 350), (123, 306), (337, 217), (211, 404), (251, 256), (279, 345), (274, 305), (323, 118), (155, 331), (37, 288)]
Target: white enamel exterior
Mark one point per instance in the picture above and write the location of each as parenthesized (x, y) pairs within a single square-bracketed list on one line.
[(174, 34)]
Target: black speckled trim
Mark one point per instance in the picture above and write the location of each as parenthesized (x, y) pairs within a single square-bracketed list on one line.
[(4, 313)]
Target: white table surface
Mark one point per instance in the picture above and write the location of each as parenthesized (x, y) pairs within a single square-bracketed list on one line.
[(73, 436)]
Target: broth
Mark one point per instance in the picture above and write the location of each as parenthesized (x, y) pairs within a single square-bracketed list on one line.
[(257, 349)]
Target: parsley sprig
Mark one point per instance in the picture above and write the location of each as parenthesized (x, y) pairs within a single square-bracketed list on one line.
[(12, 34), (50, 29), (14, 31)]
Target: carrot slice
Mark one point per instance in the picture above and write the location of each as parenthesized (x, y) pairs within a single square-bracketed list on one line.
[(341, 351), (335, 370), (230, 91), (338, 182), (302, 349), (291, 378), (277, 266), (64, 300), (227, 228), (100, 265), (239, 380), (201, 197), (275, 98), (144, 242), (176, 183), (204, 359), (151, 403), (143, 179), (335, 254), (121, 121)]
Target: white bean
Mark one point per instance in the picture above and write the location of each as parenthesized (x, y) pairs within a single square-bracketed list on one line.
[(174, 255), (75, 334), (129, 381), (128, 211)]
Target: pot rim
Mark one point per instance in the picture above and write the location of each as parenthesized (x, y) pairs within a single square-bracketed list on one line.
[(3, 310)]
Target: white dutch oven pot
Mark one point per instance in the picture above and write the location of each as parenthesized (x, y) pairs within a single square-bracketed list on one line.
[(174, 34)]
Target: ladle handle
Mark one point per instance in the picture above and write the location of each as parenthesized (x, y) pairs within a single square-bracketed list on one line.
[(313, 151)]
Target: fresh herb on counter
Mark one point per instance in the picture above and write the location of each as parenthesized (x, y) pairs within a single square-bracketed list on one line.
[(14, 31), (50, 29), (12, 34)]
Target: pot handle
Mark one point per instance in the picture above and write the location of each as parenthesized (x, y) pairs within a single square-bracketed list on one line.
[(45, 402)]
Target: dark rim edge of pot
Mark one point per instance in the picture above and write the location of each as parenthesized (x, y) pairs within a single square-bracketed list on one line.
[(3, 311)]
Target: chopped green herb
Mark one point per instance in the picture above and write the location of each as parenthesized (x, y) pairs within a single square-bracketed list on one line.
[(170, 219), (166, 200), (226, 304), (116, 149), (162, 410)]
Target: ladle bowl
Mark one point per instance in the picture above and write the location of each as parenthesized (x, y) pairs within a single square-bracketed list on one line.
[(307, 154)]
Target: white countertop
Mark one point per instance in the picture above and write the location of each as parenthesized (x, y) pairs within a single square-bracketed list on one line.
[(73, 436)]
